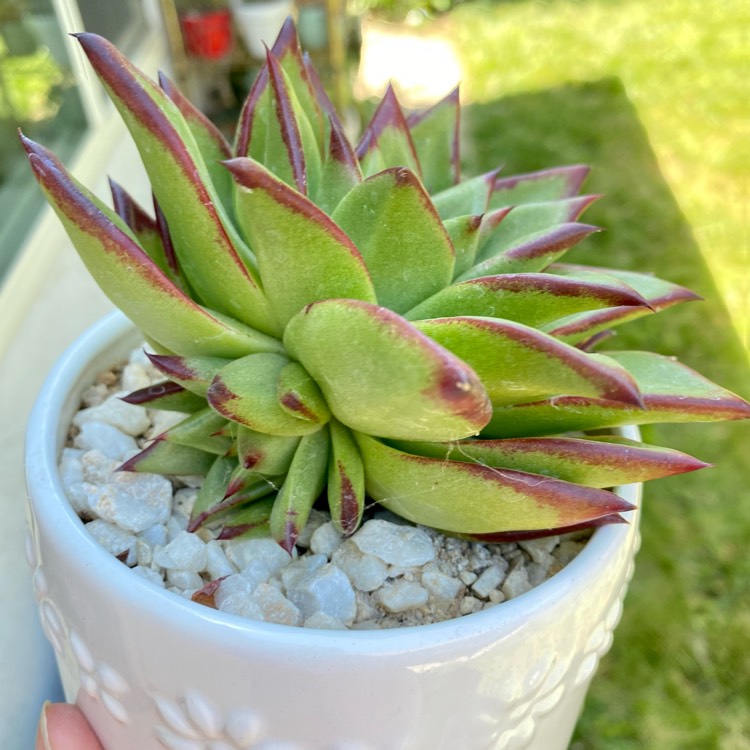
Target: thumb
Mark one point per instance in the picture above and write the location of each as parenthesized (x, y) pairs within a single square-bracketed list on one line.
[(63, 727)]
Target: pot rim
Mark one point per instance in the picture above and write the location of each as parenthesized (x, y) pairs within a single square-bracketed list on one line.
[(54, 512)]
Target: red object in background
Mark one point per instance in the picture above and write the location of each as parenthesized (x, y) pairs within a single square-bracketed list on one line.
[(207, 35)]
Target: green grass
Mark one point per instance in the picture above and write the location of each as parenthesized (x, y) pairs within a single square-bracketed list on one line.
[(644, 92)]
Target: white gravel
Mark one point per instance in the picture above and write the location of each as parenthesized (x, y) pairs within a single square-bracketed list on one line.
[(388, 574)]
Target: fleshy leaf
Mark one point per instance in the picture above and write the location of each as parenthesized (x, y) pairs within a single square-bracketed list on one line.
[(529, 219), (346, 480), (380, 375), (435, 133), (475, 499), (300, 396), (595, 462), (166, 396), (249, 521), (212, 491), (517, 363), (390, 218), (303, 484), (544, 185), (250, 138), (520, 536), (201, 430), (212, 255), (530, 298), (340, 171), (246, 391), (162, 457), (464, 234), (128, 276), (302, 254), (386, 141), (532, 253), (471, 197), (671, 392), (193, 373), (263, 453)]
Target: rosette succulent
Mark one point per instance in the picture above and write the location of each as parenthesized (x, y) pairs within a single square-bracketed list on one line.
[(358, 325)]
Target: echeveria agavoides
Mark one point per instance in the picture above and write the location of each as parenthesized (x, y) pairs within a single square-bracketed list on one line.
[(359, 324)]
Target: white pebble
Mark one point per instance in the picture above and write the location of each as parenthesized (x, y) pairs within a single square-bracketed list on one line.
[(322, 621), (97, 468), (404, 546), (105, 438), (469, 605), (217, 563), (366, 572), (155, 536), (144, 555), (185, 580), (490, 579), (401, 596), (233, 593), (184, 500), (516, 583), (440, 585), (468, 576), (134, 502), (185, 552), (256, 571), (540, 550), (161, 421), (496, 597), (315, 519), (274, 606), (300, 568), (327, 590), (242, 551), (71, 476), (325, 539), (175, 526), (134, 377), (111, 537), (149, 575), (131, 419)]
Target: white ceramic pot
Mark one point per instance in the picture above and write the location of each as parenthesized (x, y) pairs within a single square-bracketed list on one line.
[(259, 21), (152, 670)]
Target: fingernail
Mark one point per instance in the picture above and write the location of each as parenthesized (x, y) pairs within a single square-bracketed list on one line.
[(43, 731)]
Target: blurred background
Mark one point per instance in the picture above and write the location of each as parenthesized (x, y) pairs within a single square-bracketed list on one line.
[(652, 95)]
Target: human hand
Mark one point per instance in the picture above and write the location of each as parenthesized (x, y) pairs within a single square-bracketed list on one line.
[(63, 727)]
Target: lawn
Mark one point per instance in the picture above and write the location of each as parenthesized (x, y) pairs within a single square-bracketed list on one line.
[(649, 94)]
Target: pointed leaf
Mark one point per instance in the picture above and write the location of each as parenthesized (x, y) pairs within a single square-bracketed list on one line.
[(128, 276), (263, 453), (529, 219), (473, 498), (246, 391), (248, 521), (166, 396), (545, 185), (435, 133), (395, 227), (529, 298), (232, 512), (211, 142), (380, 375), (346, 480), (303, 255), (521, 536), (201, 430), (212, 255), (300, 396), (595, 462), (250, 138), (303, 484), (533, 253), (171, 459), (671, 392), (471, 197), (193, 373), (464, 235), (340, 171), (212, 492), (386, 141), (517, 363)]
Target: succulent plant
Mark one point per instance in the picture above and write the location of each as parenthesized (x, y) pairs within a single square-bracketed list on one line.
[(360, 324)]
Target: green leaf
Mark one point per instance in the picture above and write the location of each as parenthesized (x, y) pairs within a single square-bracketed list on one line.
[(435, 136), (595, 462), (472, 498), (300, 396), (671, 392), (217, 264), (263, 453), (464, 234), (395, 227), (201, 430), (517, 363), (470, 197), (529, 298), (303, 255), (340, 171), (171, 459), (246, 391), (529, 219), (128, 276), (533, 187), (248, 521), (212, 492), (380, 375), (346, 480), (166, 396), (303, 484), (193, 373), (386, 141)]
